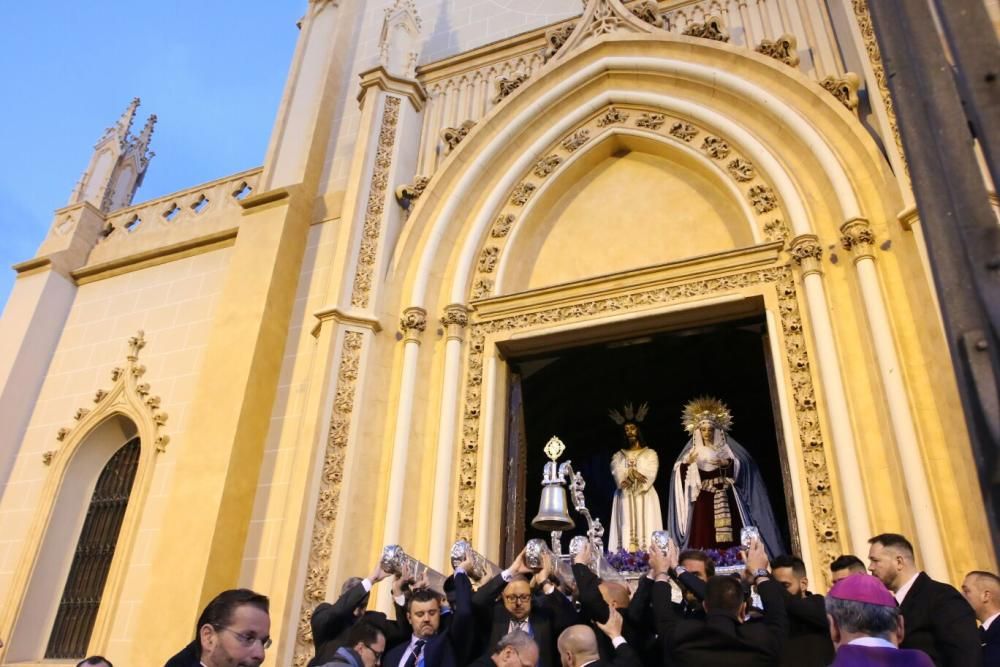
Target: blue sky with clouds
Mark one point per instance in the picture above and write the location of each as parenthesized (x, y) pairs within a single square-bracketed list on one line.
[(212, 71)]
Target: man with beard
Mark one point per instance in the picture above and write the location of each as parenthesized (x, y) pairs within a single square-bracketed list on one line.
[(232, 631), (363, 646), (434, 643), (809, 643)]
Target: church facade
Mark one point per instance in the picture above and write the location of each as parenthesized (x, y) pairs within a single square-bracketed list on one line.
[(274, 374)]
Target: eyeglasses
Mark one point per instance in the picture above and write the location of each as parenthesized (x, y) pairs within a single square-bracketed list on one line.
[(524, 597), (248, 640), (378, 654)]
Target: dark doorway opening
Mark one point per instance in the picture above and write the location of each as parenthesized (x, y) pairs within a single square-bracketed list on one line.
[(568, 393)]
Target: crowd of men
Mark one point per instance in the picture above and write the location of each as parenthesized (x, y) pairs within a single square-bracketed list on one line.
[(681, 613)]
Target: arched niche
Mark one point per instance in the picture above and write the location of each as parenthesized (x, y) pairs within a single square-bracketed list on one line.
[(615, 208)]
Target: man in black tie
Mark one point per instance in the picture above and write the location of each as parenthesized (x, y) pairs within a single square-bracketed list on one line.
[(936, 618), (982, 590), (809, 643)]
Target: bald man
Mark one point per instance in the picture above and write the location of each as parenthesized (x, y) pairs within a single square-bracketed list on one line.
[(598, 598), (577, 645), (982, 590)]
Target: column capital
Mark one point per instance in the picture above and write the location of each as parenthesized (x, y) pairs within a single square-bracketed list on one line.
[(378, 78), (455, 319), (856, 235), (807, 253), (413, 323)]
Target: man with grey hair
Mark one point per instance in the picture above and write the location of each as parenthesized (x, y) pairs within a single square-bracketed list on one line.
[(866, 626), (515, 649)]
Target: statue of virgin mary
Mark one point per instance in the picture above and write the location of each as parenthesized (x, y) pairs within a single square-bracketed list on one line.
[(716, 488)]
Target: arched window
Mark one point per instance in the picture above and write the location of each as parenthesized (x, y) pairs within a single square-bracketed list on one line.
[(95, 549)]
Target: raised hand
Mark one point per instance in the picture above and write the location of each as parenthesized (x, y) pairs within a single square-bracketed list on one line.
[(613, 626), (378, 574), (583, 556), (518, 566)]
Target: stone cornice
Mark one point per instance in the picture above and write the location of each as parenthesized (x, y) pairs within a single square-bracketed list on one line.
[(378, 78), (341, 316)]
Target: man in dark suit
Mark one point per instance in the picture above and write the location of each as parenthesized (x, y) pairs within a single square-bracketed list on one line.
[(434, 643), (722, 638), (866, 626), (808, 642), (598, 599), (938, 620), (510, 601), (577, 645), (982, 590), (233, 629), (363, 646)]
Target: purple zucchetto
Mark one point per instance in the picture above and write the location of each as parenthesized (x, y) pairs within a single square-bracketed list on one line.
[(863, 588)]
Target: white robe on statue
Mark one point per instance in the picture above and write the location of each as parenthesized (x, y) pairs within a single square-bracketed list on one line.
[(635, 513)]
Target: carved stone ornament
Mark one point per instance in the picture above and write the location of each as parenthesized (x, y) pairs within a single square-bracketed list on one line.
[(410, 192), (614, 116), (413, 320), (328, 503), (715, 148), (126, 392), (684, 131), (776, 230), (601, 17), (785, 49), (648, 11), (575, 140), (825, 525), (556, 38), (522, 193), (502, 226), (712, 28), (858, 237), (546, 165), (488, 259), (762, 198), (399, 41), (372, 228), (806, 252), (742, 170), (650, 121), (482, 288), (844, 89), (452, 136), (506, 86), (455, 315)]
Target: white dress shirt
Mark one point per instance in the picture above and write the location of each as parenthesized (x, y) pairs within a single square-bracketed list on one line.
[(988, 621), (873, 641), (900, 595)]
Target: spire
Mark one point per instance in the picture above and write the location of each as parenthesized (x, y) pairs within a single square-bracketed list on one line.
[(140, 146), (121, 128)]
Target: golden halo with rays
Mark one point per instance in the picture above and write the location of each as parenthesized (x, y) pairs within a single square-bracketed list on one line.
[(706, 408)]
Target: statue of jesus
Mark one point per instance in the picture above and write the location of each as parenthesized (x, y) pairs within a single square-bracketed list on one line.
[(635, 510)]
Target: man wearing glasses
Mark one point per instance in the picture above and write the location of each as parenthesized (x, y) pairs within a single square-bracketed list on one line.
[(363, 647), (232, 631)]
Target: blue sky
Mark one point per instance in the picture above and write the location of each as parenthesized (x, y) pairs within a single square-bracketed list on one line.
[(212, 71)]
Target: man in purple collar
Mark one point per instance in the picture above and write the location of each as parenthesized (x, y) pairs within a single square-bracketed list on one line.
[(866, 626)]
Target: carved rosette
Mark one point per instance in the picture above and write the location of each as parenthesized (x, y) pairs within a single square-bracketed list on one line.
[(372, 228), (807, 253), (785, 49), (455, 319), (328, 502), (825, 526), (413, 323), (762, 198), (715, 148), (844, 88), (546, 165), (482, 288), (857, 237), (506, 86), (522, 193), (776, 230), (742, 170), (502, 225), (575, 140), (650, 121), (712, 28), (683, 131), (613, 116), (488, 259)]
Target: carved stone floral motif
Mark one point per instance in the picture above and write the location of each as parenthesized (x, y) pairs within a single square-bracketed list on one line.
[(806, 252), (845, 89), (742, 170), (328, 504), (712, 28), (776, 230), (482, 288), (48, 456), (715, 148), (452, 136), (522, 193), (651, 121), (502, 226), (546, 165), (785, 49), (614, 116), (685, 131), (413, 320), (455, 315), (762, 198), (555, 39), (648, 11), (575, 140), (372, 228), (506, 86), (825, 525), (411, 192), (858, 237), (488, 259)]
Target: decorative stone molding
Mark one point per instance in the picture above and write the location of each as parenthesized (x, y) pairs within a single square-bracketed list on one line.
[(613, 116), (742, 170), (452, 136), (413, 322), (126, 391), (825, 525), (502, 226), (712, 28), (650, 121), (556, 38), (48, 456), (328, 503), (546, 165), (506, 86), (845, 89), (522, 193), (410, 192), (776, 230), (715, 148), (762, 198), (399, 42), (455, 320), (648, 11), (602, 17), (488, 259), (575, 140), (372, 228), (785, 49), (684, 131), (482, 288), (807, 253), (857, 237)]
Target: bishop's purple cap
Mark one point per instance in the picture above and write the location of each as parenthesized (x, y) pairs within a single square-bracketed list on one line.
[(863, 588)]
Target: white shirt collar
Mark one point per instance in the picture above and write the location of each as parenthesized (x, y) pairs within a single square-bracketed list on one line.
[(873, 641), (900, 595), (988, 621)]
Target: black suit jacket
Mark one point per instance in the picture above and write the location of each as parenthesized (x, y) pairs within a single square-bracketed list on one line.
[(189, 656), (449, 647), (330, 622), (623, 656), (550, 615), (940, 622), (721, 640), (809, 643), (593, 608), (990, 641)]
